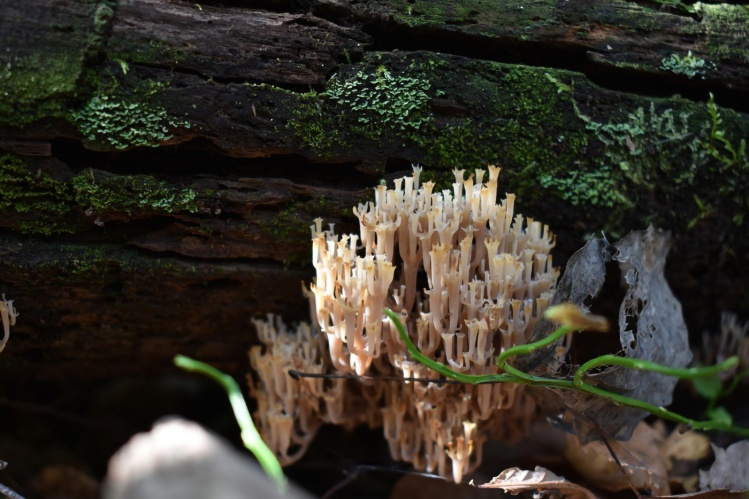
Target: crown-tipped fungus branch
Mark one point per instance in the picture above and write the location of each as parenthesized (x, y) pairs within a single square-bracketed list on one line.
[(8, 316), (486, 278)]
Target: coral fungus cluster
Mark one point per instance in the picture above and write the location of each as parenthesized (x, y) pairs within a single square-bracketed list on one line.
[(469, 279)]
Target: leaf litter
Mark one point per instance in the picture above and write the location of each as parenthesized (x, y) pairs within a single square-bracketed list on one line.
[(730, 469), (651, 327), (639, 457)]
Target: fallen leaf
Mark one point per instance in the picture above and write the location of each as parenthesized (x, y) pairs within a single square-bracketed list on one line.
[(683, 453), (709, 494), (582, 279), (651, 327), (541, 480), (639, 457), (686, 446), (730, 469)]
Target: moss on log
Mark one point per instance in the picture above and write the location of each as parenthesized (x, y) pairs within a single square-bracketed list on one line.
[(201, 140)]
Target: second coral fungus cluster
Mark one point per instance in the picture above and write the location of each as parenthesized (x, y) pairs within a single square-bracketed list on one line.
[(469, 278)]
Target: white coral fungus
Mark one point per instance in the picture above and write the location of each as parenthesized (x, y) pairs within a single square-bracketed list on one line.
[(470, 279), (8, 316)]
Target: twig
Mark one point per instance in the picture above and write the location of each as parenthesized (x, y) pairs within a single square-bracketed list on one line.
[(299, 374), (618, 463)]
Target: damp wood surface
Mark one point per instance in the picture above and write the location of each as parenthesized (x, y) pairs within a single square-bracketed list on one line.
[(163, 160)]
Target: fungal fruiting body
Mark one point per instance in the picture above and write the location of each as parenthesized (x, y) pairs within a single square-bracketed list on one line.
[(469, 278)]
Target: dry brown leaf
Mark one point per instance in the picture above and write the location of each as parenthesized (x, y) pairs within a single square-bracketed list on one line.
[(651, 327), (515, 481), (683, 453), (730, 469), (639, 457), (687, 446), (708, 494)]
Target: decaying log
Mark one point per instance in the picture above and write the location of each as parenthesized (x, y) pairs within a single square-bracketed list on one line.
[(164, 159)]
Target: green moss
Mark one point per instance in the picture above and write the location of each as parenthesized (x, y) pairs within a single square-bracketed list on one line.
[(731, 166), (122, 121), (105, 192), (474, 15), (676, 6), (155, 52), (37, 86), (727, 29), (582, 31), (596, 187), (101, 23), (46, 206), (290, 228), (465, 144), (40, 200), (528, 19), (41, 70), (681, 155), (614, 165), (281, 225), (520, 123), (382, 102), (644, 163), (313, 128), (25, 191), (645, 146), (531, 114), (371, 104), (529, 122), (689, 65), (388, 100), (89, 263), (102, 17)]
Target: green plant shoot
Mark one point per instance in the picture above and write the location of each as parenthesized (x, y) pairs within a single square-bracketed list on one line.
[(510, 374), (250, 436)]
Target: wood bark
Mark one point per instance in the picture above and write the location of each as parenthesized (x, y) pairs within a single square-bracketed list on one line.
[(120, 255)]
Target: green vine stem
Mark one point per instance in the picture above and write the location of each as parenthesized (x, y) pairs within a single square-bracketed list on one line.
[(250, 436), (511, 374), (646, 365)]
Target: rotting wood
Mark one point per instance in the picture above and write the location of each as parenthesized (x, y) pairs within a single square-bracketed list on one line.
[(268, 149)]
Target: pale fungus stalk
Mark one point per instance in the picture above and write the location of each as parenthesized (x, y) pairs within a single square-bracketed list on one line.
[(8, 316)]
